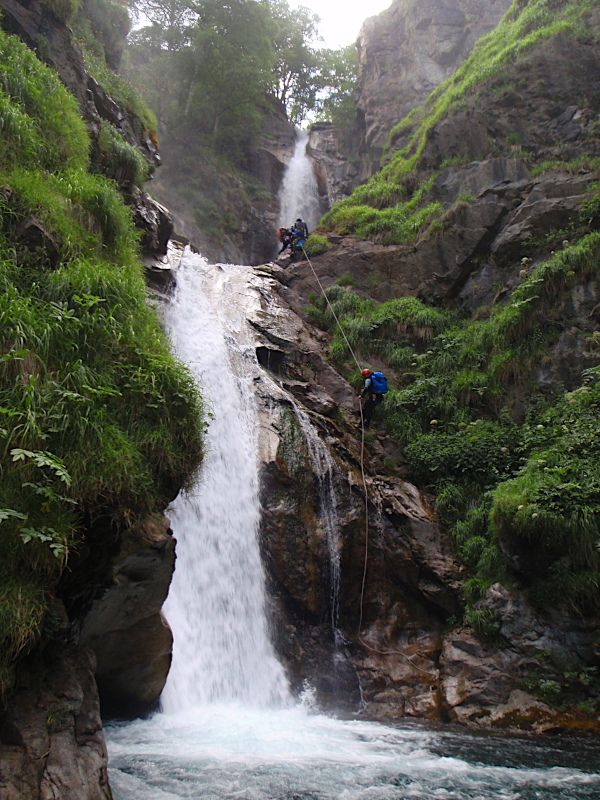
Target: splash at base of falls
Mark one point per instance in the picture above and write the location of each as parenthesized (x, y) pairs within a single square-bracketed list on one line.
[(233, 753)]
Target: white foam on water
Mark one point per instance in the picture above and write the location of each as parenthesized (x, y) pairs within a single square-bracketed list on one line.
[(234, 752)]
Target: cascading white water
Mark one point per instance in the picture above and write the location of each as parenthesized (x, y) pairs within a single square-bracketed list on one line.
[(227, 730), (299, 196), (216, 603)]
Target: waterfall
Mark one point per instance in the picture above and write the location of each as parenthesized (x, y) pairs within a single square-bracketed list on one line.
[(299, 196), (215, 606)]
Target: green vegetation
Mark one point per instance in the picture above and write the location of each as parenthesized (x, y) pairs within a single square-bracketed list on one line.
[(96, 417), (316, 244), (101, 27), (566, 686), (216, 69), (338, 76), (457, 411), (40, 123), (64, 9), (119, 160), (395, 206), (525, 25), (376, 210)]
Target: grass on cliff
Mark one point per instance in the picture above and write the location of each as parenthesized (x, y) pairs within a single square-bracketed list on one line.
[(525, 25), (394, 205), (97, 419), (40, 124), (120, 160), (101, 27), (462, 384)]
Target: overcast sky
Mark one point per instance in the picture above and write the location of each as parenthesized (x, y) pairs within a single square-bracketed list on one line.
[(341, 20)]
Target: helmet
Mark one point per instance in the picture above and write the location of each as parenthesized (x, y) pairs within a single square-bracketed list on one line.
[(365, 373), (298, 220)]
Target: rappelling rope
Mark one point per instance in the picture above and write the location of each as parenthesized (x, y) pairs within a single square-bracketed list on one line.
[(364, 481)]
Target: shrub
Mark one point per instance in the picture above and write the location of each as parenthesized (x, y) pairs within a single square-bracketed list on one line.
[(64, 9), (486, 626), (119, 160), (85, 213), (484, 452), (316, 244)]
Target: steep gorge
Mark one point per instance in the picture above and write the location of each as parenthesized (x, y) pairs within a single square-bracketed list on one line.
[(401, 650), (404, 53)]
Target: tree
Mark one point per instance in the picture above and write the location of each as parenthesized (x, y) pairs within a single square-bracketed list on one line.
[(338, 73), (211, 65), (172, 17), (233, 59), (293, 31)]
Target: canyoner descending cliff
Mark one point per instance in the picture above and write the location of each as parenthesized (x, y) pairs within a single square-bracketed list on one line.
[(229, 727)]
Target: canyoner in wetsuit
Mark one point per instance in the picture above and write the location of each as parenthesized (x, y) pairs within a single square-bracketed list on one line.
[(375, 389), (286, 237), (300, 234)]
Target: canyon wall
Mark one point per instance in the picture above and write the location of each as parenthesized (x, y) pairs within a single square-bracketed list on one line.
[(404, 53)]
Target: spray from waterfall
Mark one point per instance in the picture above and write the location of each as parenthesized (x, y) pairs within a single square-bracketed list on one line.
[(299, 196), (215, 607)]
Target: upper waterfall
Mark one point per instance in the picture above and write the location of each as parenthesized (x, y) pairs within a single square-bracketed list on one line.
[(299, 196)]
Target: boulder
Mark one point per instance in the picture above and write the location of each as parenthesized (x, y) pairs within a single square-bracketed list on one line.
[(51, 740), (125, 627), (154, 220)]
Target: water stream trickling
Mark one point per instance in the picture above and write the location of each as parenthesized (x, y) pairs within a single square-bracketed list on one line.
[(228, 729), (323, 467)]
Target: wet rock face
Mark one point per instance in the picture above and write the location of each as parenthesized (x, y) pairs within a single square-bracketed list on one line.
[(381, 643), (51, 741), (125, 627), (154, 220), (483, 684), (335, 157), (392, 647)]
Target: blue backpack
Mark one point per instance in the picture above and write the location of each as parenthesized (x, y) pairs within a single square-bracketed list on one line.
[(378, 382)]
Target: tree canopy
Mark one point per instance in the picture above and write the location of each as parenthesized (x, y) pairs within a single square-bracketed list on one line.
[(213, 65)]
